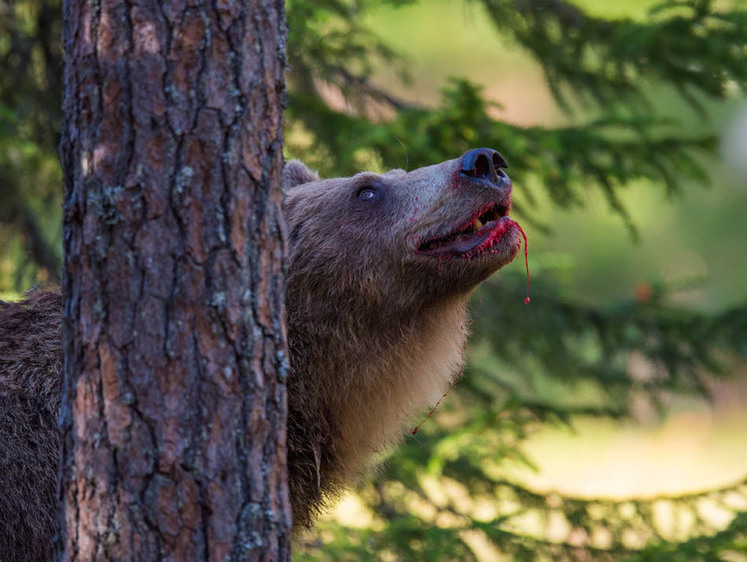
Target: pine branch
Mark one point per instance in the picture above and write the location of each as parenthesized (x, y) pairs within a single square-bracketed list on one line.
[(329, 45), (688, 44), (407, 535), (678, 344)]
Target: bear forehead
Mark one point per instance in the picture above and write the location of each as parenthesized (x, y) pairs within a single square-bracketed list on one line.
[(394, 173)]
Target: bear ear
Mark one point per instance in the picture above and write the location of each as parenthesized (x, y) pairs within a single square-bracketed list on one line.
[(296, 173)]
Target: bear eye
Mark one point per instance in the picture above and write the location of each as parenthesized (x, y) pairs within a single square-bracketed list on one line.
[(367, 194), (368, 189)]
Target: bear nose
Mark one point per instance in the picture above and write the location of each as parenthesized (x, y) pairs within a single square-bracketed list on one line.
[(484, 164)]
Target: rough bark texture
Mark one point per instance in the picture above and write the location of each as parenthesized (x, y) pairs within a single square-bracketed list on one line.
[(174, 403)]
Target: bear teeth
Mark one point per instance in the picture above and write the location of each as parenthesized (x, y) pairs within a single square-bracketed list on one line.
[(477, 224)]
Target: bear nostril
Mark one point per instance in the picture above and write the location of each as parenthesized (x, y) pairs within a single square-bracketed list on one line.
[(499, 161), (482, 167)]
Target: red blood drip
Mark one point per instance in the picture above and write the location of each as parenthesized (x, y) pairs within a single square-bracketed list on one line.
[(526, 259)]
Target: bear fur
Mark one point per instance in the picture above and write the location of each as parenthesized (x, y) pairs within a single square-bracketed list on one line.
[(380, 267), (30, 380)]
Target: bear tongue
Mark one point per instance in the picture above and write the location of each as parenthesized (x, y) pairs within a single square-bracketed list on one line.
[(466, 241)]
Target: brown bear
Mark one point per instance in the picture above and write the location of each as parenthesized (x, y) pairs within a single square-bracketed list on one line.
[(380, 268)]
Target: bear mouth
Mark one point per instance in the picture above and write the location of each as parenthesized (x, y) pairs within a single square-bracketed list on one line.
[(480, 234)]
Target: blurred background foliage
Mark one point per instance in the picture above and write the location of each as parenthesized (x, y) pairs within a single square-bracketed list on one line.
[(30, 117), (604, 421)]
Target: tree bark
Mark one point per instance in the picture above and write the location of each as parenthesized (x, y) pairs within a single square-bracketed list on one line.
[(174, 401)]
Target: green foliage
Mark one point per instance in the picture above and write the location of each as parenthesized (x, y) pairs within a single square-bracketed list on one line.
[(728, 544), (582, 344), (30, 114), (686, 44), (340, 120), (467, 459)]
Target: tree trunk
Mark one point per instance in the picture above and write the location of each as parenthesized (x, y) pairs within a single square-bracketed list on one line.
[(174, 401)]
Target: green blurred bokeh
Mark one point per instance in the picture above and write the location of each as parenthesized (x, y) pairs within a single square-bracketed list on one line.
[(693, 243)]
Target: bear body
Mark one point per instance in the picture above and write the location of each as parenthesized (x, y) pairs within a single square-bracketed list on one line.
[(380, 268)]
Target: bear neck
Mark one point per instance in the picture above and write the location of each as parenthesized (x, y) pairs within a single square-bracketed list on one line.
[(369, 372)]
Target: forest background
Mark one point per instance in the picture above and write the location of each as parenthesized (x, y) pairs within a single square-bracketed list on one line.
[(606, 419)]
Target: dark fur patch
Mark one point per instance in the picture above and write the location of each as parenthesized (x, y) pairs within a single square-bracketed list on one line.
[(30, 371)]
